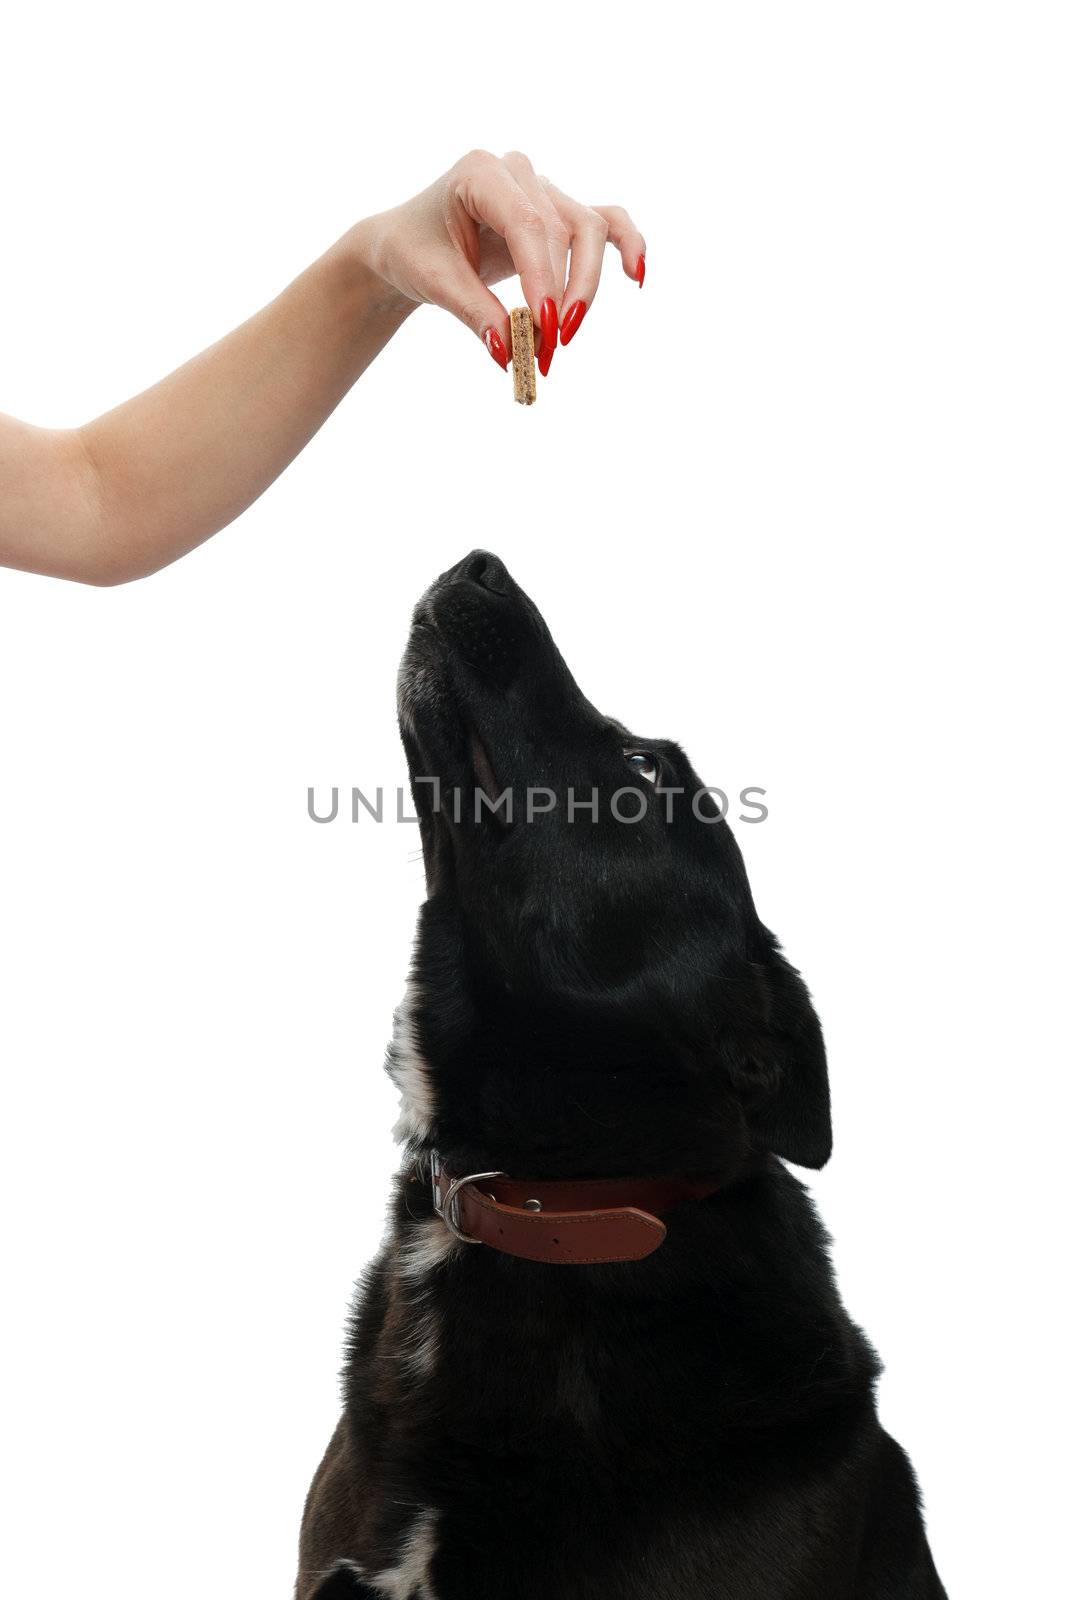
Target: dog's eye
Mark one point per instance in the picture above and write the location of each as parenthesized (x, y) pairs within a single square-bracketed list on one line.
[(641, 762)]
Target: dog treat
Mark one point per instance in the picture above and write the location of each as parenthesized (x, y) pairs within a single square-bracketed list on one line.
[(523, 372)]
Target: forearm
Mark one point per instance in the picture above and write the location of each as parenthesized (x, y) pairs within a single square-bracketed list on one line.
[(140, 486)]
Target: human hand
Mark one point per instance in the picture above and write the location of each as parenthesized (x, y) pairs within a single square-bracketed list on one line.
[(486, 219)]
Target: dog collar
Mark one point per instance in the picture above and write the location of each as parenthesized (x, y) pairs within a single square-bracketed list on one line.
[(582, 1221)]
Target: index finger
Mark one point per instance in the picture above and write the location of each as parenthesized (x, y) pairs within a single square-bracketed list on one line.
[(490, 195)]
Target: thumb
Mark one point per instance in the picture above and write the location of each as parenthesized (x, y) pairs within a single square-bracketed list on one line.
[(461, 291)]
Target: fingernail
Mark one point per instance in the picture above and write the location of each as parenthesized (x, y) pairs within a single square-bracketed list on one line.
[(544, 361), (572, 321), (640, 272), (549, 325), (496, 348)]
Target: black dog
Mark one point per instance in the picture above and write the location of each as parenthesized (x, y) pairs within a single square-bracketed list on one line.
[(623, 1370)]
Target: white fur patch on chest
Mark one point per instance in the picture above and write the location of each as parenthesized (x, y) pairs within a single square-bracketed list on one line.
[(427, 1245), (411, 1574), (410, 1071)]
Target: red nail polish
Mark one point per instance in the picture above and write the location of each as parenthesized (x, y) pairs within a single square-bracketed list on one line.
[(544, 360), (641, 272), (496, 348), (549, 326), (572, 321)]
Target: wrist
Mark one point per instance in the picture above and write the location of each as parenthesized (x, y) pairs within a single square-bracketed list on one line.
[(358, 256)]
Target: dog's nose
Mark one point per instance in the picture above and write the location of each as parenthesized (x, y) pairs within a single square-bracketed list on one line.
[(485, 569)]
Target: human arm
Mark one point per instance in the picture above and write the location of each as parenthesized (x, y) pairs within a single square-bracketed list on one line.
[(140, 486)]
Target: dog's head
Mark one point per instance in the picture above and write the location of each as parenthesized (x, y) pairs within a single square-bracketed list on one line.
[(592, 985)]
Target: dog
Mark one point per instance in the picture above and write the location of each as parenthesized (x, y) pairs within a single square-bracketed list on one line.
[(601, 1353)]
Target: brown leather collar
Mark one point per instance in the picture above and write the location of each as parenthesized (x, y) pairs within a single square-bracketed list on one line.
[(578, 1220)]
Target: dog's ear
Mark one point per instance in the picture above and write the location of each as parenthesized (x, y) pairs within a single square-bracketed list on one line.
[(779, 1070)]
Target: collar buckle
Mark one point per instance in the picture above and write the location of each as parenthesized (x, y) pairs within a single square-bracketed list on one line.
[(445, 1193)]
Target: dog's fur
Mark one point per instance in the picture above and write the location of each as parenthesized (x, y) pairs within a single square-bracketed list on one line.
[(593, 998)]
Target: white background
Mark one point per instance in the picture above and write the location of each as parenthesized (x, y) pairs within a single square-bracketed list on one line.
[(796, 503)]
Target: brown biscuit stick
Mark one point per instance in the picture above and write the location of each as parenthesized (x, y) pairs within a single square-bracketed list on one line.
[(523, 371)]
